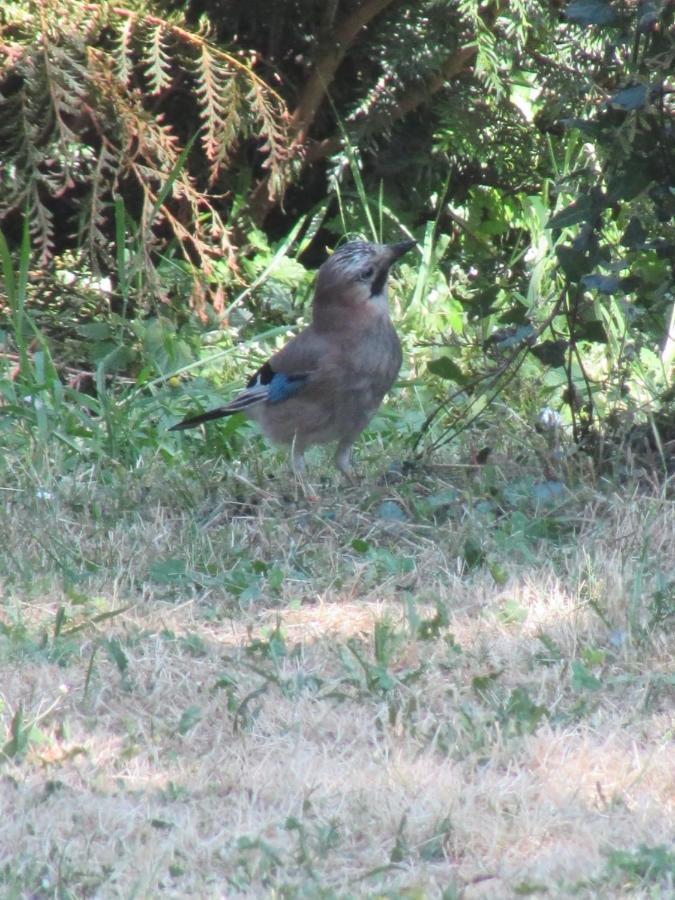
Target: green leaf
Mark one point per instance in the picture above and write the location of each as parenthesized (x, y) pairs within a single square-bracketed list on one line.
[(474, 555), (635, 234), (391, 511), (96, 331), (18, 736), (628, 183), (443, 498), (507, 338), (117, 655), (581, 210), (499, 574), (594, 656), (512, 613), (445, 368), (166, 571), (553, 653), (523, 712), (551, 353), (528, 888), (587, 126), (582, 679), (545, 493), (481, 684), (573, 262), (593, 331), (646, 863), (189, 719), (360, 545)]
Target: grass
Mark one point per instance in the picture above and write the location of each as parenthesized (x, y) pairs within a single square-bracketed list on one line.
[(213, 687)]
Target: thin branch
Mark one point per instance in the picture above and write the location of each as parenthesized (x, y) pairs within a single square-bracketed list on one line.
[(454, 65), (494, 377), (261, 202), (327, 64)]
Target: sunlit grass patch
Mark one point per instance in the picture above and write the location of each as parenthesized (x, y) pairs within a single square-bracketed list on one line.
[(215, 688)]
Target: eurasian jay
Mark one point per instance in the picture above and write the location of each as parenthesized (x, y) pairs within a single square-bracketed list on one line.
[(327, 383)]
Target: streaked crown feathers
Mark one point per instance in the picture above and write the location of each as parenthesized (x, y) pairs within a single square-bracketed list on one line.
[(360, 267), (350, 259)]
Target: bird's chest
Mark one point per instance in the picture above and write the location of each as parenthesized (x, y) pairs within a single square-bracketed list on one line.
[(374, 360)]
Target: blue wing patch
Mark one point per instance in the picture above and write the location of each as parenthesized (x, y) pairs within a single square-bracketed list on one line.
[(284, 386), (278, 386)]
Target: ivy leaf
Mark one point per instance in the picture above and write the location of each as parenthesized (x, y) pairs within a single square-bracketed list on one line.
[(591, 12)]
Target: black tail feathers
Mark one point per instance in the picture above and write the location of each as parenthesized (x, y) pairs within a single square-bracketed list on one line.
[(193, 421)]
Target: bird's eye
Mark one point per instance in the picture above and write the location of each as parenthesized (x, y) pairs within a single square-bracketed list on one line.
[(366, 274)]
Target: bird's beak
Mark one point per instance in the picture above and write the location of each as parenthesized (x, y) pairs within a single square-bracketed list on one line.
[(397, 250)]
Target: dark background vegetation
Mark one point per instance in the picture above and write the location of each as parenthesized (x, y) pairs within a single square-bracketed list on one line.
[(171, 172)]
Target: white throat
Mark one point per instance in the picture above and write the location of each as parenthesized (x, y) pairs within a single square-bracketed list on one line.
[(379, 301)]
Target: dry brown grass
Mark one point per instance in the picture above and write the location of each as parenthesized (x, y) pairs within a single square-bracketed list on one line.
[(246, 751)]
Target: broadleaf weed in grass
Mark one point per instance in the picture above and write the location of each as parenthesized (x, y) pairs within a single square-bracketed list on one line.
[(661, 607), (22, 735), (314, 841), (436, 847), (520, 714), (113, 648), (644, 865), (429, 628), (245, 712), (190, 717)]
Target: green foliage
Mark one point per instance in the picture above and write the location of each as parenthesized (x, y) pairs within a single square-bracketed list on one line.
[(529, 151), (643, 865), (95, 107), (565, 271)]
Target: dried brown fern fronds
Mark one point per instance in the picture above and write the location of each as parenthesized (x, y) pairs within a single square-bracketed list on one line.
[(99, 102)]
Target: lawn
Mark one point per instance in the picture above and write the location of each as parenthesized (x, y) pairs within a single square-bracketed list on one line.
[(422, 686)]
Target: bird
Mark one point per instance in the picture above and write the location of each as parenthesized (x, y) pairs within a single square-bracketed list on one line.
[(327, 383)]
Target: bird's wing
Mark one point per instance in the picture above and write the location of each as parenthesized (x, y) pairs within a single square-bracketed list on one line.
[(286, 373)]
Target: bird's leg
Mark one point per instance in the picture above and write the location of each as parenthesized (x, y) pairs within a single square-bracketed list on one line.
[(298, 459), (299, 468), (343, 456)]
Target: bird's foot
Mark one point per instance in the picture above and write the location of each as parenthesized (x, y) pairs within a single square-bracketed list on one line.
[(303, 488), (343, 463)]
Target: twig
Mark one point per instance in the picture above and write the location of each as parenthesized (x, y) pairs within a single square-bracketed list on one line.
[(493, 376)]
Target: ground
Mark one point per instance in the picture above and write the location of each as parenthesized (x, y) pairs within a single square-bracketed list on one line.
[(448, 685)]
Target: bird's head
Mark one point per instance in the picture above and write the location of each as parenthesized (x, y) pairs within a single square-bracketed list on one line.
[(355, 277)]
